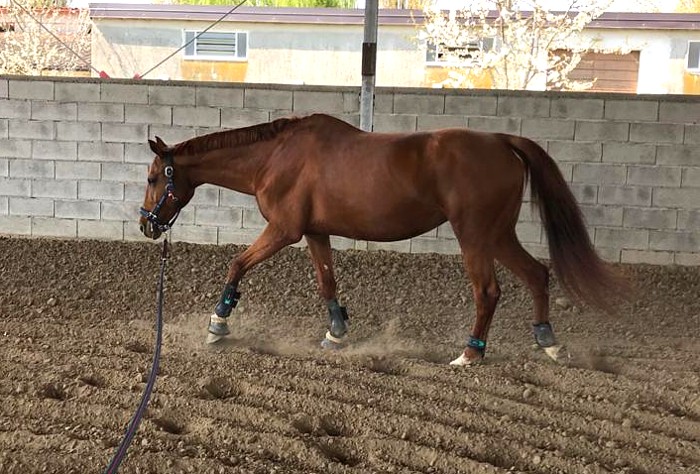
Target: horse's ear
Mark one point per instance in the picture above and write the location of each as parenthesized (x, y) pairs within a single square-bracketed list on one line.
[(154, 147), (161, 143), (158, 147)]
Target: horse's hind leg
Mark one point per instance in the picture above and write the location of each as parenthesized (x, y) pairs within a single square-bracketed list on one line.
[(480, 267), (536, 276), (322, 258), (270, 241)]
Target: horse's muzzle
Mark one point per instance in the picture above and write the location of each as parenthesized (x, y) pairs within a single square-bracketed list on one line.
[(149, 230)]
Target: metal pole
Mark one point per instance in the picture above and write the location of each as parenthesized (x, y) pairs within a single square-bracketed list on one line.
[(369, 65)]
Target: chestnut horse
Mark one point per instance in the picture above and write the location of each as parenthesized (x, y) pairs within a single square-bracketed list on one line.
[(318, 176)]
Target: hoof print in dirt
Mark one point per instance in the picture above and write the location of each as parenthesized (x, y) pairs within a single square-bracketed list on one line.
[(335, 452), (53, 391), (92, 380), (218, 389), (333, 426), (169, 425), (136, 346), (303, 424), (383, 365)]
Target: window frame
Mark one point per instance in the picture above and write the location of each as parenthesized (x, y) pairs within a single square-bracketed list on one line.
[(696, 68), (212, 57)]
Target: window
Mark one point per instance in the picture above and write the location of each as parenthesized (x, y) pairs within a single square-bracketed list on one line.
[(693, 55), (217, 45), (452, 54)]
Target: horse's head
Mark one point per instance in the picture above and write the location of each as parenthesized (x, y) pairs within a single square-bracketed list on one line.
[(167, 192)]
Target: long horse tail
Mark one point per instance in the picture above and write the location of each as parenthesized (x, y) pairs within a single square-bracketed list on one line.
[(579, 269)]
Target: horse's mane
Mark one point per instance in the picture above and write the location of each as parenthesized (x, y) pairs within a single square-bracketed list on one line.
[(232, 138)]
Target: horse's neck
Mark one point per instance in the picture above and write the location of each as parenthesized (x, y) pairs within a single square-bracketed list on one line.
[(232, 168)]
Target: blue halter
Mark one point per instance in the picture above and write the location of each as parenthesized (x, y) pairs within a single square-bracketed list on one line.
[(152, 216)]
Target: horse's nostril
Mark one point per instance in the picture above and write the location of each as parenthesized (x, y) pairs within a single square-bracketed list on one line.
[(143, 228)]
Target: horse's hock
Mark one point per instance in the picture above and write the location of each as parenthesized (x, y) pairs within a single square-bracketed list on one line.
[(75, 155)]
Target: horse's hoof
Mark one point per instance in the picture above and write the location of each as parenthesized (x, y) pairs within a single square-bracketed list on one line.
[(331, 342), (462, 360), (214, 338), (557, 353), (218, 329)]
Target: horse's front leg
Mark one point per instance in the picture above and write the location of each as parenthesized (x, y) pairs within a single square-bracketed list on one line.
[(267, 244), (322, 258)]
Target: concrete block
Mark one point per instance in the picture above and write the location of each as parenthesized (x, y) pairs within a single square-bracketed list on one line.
[(100, 190), (352, 119), (510, 125), (607, 216), (628, 153), (383, 103), (312, 101), (50, 227), (138, 153), (32, 130), (124, 93), (15, 109), (641, 218), (597, 173), (687, 259), (135, 192), (471, 105), (171, 95), (120, 132), (4, 89), (238, 118), (124, 172), (622, 238), (419, 104), (75, 170), (403, 246), (223, 97), (194, 234), (21, 206), (691, 178), (132, 232), (15, 187), (100, 112), (31, 89), (351, 103), (15, 225), (602, 131), (4, 206), (691, 135), (100, 230), (170, 135), (150, 114), (234, 236), (555, 129), (76, 92), (441, 246), (268, 99), (647, 257), (392, 123), (186, 217), (54, 188), (228, 198), (523, 106), (679, 112), (54, 150), (4, 167), (684, 198), (197, 116), (575, 151), (437, 122), (537, 250), (657, 132), (632, 110), (206, 195), (98, 151), (677, 155), (337, 243), (689, 220), (585, 193), (444, 231), (253, 219), (54, 111), (529, 232), (15, 148), (674, 241), (625, 195), (202, 131), (120, 211), (659, 176), (570, 108), (4, 129), (215, 216), (78, 209), (79, 131), (31, 169)]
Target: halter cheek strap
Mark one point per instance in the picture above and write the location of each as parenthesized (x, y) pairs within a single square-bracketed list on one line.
[(169, 194)]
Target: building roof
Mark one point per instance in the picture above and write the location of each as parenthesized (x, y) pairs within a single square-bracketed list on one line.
[(337, 16)]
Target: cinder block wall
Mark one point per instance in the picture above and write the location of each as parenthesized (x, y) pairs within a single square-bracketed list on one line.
[(73, 157)]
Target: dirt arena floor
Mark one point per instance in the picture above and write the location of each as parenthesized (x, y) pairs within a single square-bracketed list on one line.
[(77, 335)]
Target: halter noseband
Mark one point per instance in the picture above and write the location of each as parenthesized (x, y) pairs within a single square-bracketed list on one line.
[(152, 216)]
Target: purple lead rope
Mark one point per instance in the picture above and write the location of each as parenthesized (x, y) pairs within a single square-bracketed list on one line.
[(136, 419)]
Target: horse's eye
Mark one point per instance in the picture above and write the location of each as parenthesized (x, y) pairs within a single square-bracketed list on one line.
[(151, 180)]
